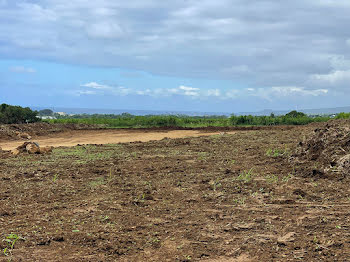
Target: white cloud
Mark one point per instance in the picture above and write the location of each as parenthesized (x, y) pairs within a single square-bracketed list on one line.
[(213, 92), (333, 78), (95, 85), (187, 88), (224, 39), (189, 91), (269, 94), (22, 69), (231, 94), (287, 91)]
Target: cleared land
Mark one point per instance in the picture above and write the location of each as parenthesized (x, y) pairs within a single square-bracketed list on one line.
[(231, 197), (83, 137)]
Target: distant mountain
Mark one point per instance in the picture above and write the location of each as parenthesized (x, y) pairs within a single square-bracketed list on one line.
[(317, 111)]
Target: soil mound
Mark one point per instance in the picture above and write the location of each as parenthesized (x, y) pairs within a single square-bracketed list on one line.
[(27, 131), (326, 152)]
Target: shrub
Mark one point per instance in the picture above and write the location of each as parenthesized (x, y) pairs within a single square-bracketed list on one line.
[(17, 115)]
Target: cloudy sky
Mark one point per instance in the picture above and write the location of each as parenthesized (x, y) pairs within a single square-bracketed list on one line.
[(224, 55)]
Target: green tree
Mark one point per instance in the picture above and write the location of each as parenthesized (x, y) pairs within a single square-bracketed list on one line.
[(46, 112), (295, 114), (17, 115)]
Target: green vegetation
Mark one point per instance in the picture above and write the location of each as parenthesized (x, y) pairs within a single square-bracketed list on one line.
[(130, 121), (276, 152), (246, 176), (46, 112), (10, 241), (342, 116), (17, 115), (292, 118)]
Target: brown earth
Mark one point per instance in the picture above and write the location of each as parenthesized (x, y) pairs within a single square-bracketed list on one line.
[(218, 198), (106, 136), (22, 131)]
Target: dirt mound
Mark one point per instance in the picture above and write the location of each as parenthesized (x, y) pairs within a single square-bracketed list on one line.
[(326, 152), (27, 131)]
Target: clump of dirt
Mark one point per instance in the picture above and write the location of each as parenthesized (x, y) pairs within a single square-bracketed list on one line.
[(326, 152)]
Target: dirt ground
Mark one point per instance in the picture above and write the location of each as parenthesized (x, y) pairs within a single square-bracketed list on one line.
[(223, 197), (106, 136)]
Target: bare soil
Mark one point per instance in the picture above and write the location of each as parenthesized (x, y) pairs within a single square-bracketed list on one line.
[(106, 136), (222, 197)]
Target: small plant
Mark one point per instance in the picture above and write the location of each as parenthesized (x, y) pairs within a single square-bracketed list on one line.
[(246, 176), (276, 152), (55, 177), (271, 179), (239, 201), (202, 155), (98, 182), (10, 241), (104, 218), (286, 178), (216, 184)]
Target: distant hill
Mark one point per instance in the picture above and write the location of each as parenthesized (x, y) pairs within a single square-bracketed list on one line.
[(317, 111)]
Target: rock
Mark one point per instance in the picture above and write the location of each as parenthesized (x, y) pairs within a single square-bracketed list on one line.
[(46, 149), (15, 152), (33, 148), (284, 240)]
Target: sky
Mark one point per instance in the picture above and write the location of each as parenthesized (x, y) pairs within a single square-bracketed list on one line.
[(179, 55)]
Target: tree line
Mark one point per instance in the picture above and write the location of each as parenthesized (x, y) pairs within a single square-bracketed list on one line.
[(17, 115)]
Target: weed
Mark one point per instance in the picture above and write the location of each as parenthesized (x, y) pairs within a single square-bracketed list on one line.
[(98, 182), (276, 152), (271, 179), (246, 176), (105, 218), (55, 177), (239, 201), (286, 178), (10, 241)]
